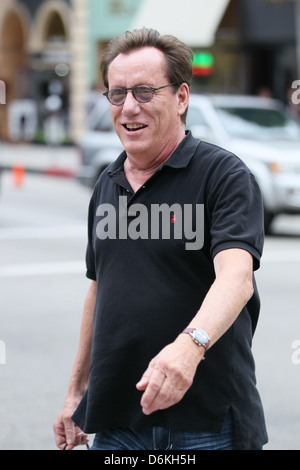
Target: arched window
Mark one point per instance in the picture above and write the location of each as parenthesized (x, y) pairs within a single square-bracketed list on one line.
[(13, 56), (55, 30), (13, 40)]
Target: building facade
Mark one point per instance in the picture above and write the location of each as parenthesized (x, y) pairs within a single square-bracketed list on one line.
[(35, 57)]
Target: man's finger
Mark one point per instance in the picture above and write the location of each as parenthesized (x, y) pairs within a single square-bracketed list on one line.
[(142, 384), (153, 388)]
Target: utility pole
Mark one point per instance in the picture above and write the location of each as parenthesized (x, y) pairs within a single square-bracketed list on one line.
[(79, 79)]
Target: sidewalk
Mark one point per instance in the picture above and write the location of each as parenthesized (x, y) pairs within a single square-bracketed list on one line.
[(36, 158)]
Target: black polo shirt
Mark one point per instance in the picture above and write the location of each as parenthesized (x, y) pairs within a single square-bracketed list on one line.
[(151, 253)]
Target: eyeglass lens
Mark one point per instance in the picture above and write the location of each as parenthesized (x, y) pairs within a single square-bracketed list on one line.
[(143, 94)]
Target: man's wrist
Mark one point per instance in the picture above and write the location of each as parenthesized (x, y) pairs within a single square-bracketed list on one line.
[(76, 390), (192, 349)]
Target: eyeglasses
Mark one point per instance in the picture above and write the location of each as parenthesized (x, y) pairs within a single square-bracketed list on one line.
[(142, 93)]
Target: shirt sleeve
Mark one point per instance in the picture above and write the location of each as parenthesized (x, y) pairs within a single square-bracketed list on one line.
[(236, 211)]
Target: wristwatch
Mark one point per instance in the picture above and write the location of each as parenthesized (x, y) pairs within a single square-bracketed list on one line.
[(200, 337)]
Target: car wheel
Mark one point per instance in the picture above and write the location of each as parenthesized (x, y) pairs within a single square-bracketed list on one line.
[(268, 220), (100, 170)]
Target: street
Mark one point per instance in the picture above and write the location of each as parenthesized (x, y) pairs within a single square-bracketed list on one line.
[(43, 284)]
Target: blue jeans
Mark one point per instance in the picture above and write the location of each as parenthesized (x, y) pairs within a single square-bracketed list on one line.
[(158, 438)]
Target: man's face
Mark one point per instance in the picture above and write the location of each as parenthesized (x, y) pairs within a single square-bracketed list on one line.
[(146, 130)]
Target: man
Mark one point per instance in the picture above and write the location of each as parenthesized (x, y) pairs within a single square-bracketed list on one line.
[(158, 301)]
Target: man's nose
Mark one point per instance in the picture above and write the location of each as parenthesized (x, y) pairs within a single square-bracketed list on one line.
[(131, 105)]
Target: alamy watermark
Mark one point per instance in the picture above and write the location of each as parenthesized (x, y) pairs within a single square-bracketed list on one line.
[(2, 353), (296, 353), (159, 222), (296, 94), (2, 92)]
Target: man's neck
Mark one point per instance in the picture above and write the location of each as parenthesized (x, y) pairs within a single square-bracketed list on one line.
[(139, 168)]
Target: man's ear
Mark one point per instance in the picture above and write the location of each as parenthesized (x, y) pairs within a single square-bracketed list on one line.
[(183, 95)]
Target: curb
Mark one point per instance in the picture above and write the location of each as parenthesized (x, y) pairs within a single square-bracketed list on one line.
[(53, 171), (61, 172)]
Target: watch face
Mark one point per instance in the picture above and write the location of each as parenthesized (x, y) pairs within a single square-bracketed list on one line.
[(201, 336)]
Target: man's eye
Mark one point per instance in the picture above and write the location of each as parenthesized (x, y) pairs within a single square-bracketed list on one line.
[(117, 94), (143, 92)]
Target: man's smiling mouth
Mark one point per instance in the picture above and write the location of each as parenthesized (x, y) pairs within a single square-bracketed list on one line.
[(134, 127)]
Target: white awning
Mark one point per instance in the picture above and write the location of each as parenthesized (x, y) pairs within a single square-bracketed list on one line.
[(192, 21)]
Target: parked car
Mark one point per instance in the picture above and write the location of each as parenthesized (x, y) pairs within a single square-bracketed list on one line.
[(258, 130)]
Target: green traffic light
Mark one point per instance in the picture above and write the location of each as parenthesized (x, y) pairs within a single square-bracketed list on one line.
[(203, 60)]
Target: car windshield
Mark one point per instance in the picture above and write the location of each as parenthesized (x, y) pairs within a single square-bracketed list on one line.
[(258, 123)]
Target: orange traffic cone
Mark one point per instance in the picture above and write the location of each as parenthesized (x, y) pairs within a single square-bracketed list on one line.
[(18, 172)]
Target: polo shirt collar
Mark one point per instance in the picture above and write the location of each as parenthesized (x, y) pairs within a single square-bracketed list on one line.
[(180, 158), (182, 155)]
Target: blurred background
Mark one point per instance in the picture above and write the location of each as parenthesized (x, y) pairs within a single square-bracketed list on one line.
[(53, 49), (52, 151)]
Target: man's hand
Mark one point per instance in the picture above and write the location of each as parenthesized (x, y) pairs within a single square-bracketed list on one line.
[(169, 375), (66, 432)]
